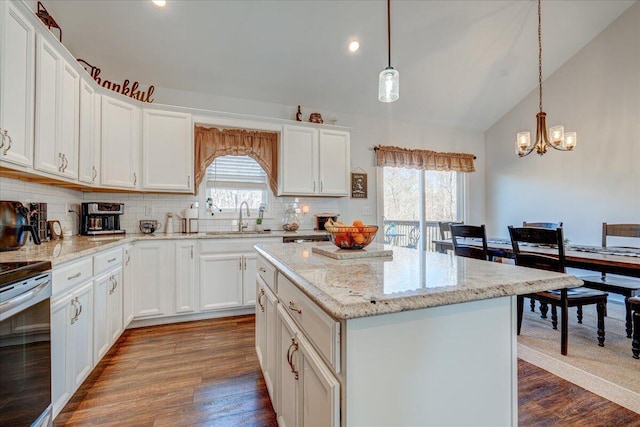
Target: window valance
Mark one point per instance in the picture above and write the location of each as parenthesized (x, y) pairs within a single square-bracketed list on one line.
[(260, 145), (423, 159)]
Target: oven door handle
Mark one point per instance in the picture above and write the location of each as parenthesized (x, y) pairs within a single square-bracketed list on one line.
[(21, 299)]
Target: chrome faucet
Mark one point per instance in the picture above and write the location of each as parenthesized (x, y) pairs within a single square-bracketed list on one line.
[(241, 226)]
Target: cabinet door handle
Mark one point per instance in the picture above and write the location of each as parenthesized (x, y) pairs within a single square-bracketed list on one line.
[(290, 351), (112, 259), (113, 285), (135, 179), (95, 173), (260, 295), (191, 251), (79, 311), (292, 307), (75, 314), (8, 146), (128, 257), (74, 276), (188, 181), (66, 162), (3, 134), (321, 186), (61, 162), (262, 269), (314, 186)]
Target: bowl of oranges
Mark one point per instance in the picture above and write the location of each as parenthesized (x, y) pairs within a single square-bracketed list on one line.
[(355, 236)]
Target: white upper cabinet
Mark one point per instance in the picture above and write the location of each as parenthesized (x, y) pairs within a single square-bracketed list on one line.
[(57, 112), (167, 151), (17, 44), (89, 155), (314, 162), (120, 143)]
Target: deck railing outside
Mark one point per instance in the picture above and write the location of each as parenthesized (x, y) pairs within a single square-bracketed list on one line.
[(407, 233)]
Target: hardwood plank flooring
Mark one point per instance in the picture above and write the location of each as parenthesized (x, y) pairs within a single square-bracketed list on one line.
[(206, 373)]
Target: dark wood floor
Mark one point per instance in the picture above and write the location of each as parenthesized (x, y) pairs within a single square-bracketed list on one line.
[(206, 374)]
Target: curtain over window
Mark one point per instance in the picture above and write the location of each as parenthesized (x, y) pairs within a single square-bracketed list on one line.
[(423, 159), (260, 145)]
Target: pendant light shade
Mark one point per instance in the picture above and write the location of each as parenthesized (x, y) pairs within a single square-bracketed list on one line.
[(389, 79), (389, 85)]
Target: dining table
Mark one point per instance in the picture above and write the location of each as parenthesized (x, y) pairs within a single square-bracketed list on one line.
[(620, 260)]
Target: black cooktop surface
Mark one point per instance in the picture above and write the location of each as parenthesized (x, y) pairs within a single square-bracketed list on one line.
[(14, 271)]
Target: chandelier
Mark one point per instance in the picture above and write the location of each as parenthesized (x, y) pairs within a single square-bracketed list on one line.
[(389, 79), (557, 137)]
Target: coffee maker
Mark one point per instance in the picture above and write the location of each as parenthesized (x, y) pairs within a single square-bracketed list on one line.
[(101, 218)]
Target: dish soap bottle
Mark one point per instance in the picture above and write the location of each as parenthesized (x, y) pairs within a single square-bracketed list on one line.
[(291, 220)]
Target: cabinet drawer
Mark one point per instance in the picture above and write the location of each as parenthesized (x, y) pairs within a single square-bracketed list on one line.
[(66, 277), (267, 272), (107, 260), (318, 326)]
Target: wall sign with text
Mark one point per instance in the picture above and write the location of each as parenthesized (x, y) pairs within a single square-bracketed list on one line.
[(125, 88)]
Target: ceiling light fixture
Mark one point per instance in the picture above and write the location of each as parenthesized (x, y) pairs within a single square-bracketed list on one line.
[(354, 45), (160, 3), (560, 140), (389, 80)]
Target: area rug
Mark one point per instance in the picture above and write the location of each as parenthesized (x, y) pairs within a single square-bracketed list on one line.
[(607, 371)]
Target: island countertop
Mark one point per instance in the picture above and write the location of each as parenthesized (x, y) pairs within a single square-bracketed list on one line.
[(409, 280)]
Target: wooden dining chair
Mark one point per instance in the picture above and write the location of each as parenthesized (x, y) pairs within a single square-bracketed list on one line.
[(622, 285), (634, 302), (563, 298), (552, 225), (445, 228), (469, 248)]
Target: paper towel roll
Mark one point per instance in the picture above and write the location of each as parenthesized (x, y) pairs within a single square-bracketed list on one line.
[(190, 213)]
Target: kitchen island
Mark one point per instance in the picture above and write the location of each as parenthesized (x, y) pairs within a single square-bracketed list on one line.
[(416, 339)]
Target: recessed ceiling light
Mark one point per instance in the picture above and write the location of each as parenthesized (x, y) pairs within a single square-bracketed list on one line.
[(354, 45), (160, 3)]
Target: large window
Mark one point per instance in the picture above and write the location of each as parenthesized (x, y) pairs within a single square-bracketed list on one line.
[(416, 200), (231, 180)]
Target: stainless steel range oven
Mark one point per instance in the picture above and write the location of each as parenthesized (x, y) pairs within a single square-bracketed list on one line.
[(25, 344)]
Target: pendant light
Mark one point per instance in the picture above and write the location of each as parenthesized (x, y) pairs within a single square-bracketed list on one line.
[(560, 140), (389, 80)]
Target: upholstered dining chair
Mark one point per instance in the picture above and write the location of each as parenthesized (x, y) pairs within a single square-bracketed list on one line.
[(622, 285), (469, 248), (564, 298)]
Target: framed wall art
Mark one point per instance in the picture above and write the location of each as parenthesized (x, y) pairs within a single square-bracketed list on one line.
[(359, 185)]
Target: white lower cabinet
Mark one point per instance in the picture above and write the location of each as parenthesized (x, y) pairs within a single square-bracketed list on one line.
[(228, 273), (71, 343), (153, 278), (127, 286), (309, 394), (220, 281), (185, 279), (108, 311), (266, 347)]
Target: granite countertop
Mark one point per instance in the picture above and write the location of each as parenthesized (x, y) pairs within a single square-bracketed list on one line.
[(71, 248), (409, 280)]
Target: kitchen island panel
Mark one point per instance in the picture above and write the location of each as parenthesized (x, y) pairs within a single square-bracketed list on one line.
[(445, 366)]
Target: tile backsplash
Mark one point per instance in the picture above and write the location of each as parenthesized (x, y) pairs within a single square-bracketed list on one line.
[(156, 206)]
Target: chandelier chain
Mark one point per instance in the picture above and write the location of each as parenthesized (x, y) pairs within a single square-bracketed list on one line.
[(540, 52)]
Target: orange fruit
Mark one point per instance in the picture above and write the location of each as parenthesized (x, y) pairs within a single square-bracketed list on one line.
[(358, 223), (358, 238)]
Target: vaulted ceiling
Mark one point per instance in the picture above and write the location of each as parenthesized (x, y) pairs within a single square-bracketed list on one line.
[(462, 63)]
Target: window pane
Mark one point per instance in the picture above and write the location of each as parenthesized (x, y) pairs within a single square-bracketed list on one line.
[(229, 199), (440, 191), (232, 180), (401, 194)]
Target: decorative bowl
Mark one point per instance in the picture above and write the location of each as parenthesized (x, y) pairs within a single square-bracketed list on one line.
[(351, 237)]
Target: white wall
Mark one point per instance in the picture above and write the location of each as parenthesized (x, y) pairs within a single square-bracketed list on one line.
[(597, 94), (367, 132)]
